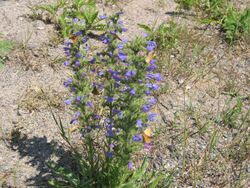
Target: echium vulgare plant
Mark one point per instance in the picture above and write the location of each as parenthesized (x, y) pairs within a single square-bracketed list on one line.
[(112, 95)]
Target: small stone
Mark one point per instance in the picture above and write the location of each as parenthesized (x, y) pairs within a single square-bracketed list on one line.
[(40, 25)]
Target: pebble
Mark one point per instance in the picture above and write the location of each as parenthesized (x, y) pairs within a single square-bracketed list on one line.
[(40, 25)]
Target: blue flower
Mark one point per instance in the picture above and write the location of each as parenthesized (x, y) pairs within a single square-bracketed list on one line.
[(133, 92), (152, 117), (154, 87), (147, 92), (115, 111), (124, 29), (74, 20), (93, 60), (96, 116), (146, 108), (85, 39), (137, 138), (151, 45), (102, 17), (110, 99), (152, 101), (68, 82), (109, 154), (139, 123), (151, 67), (130, 165), (68, 101), (66, 63), (156, 76), (110, 133), (77, 63), (89, 104), (122, 56), (129, 74), (79, 99), (78, 55), (120, 46), (78, 33), (145, 35), (75, 118)]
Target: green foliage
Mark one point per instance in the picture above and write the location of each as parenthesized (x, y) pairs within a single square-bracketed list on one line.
[(236, 24), (166, 35), (5, 48), (63, 12)]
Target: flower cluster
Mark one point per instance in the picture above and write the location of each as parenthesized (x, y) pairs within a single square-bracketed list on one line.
[(112, 88)]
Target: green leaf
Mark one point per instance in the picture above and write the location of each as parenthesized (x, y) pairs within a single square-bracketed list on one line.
[(145, 27)]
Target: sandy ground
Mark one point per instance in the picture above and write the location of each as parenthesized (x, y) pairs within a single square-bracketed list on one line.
[(29, 136)]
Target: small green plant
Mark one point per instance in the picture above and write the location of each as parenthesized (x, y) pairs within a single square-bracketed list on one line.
[(5, 48), (166, 35), (236, 24), (65, 13)]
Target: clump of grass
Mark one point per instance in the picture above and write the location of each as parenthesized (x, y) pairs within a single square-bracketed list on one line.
[(235, 24), (36, 99), (5, 47)]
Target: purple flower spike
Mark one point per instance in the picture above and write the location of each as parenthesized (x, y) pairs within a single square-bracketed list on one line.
[(137, 138), (122, 56), (130, 165), (151, 45)]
